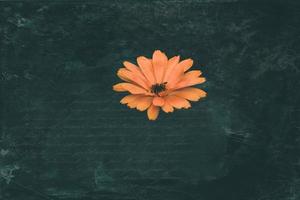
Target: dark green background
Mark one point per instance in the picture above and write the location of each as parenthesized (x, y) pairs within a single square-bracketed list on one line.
[(64, 134)]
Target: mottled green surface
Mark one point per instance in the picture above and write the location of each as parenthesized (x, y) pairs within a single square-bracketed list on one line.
[(64, 134)]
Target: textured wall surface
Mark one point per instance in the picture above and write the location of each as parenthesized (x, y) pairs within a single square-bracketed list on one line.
[(65, 136)]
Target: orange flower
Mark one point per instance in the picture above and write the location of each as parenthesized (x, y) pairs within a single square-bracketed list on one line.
[(159, 83)]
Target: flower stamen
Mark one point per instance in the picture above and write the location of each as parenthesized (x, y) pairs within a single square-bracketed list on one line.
[(158, 88)]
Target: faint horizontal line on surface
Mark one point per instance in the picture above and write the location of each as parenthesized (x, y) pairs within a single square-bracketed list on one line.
[(119, 126), (140, 2)]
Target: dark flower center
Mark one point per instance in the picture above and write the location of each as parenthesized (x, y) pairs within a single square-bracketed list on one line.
[(157, 88)]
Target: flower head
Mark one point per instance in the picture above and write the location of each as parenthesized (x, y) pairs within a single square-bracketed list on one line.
[(159, 83)]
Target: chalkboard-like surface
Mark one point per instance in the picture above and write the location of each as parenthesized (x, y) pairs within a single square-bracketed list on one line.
[(64, 134)]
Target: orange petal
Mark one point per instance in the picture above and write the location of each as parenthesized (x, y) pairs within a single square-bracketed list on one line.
[(129, 76), (175, 75), (189, 82), (160, 62), (167, 107), (147, 69), (187, 64), (121, 75), (144, 103), (188, 77), (118, 87), (134, 102), (178, 72), (158, 101), (171, 64), (190, 93), (178, 102), (136, 70), (133, 89), (129, 98), (130, 66), (192, 74), (153, 112)]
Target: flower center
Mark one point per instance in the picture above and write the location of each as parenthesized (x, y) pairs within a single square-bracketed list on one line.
[(157, 88)]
